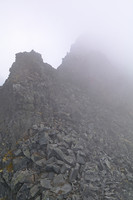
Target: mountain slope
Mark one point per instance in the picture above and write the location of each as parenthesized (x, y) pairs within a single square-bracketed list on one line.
[(66, 133)]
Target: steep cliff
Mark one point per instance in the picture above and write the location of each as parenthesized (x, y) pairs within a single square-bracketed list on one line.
[(66, 133)]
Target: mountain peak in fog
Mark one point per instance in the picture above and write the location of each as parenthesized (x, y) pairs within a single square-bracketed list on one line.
[(66, 133)]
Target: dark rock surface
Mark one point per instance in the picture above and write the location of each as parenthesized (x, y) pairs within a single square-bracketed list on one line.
[(66, 133)]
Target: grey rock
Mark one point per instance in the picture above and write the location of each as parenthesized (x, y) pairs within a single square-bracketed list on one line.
[(26, 152), (34, 190), (56, 152), (20, 163), (17, 152), (65, 167), (58, 180), (44, 175), (51, 160), (70, 160), (74, 173), (36, 157), (4, 191), (38, 198), (35, 127), (43, 139), (21, 177), (59, 162), (45, 195), (80, 159), (51, 175), (52, 168), (64, 189), (23, 193), (77, 147), (93, 177), (6, 177), (42, 127), (75, 197), (46, 183), (86, 192), (41, 162)]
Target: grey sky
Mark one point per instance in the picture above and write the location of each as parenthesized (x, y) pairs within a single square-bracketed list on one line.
[(51, 26)]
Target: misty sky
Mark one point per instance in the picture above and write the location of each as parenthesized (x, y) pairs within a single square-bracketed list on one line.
[(51, 26)]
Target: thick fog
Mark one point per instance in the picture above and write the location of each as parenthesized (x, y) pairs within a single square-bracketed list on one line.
[(51, 26)]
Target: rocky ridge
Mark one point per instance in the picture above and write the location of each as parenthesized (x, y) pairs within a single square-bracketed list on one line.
[(63, 136)]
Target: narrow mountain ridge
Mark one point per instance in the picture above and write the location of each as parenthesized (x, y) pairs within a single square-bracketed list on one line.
[(66, 133)]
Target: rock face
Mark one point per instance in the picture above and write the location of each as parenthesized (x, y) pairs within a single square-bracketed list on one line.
[(65, 133)]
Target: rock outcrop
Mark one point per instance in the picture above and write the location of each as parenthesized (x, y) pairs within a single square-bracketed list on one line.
[(65, 133)]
